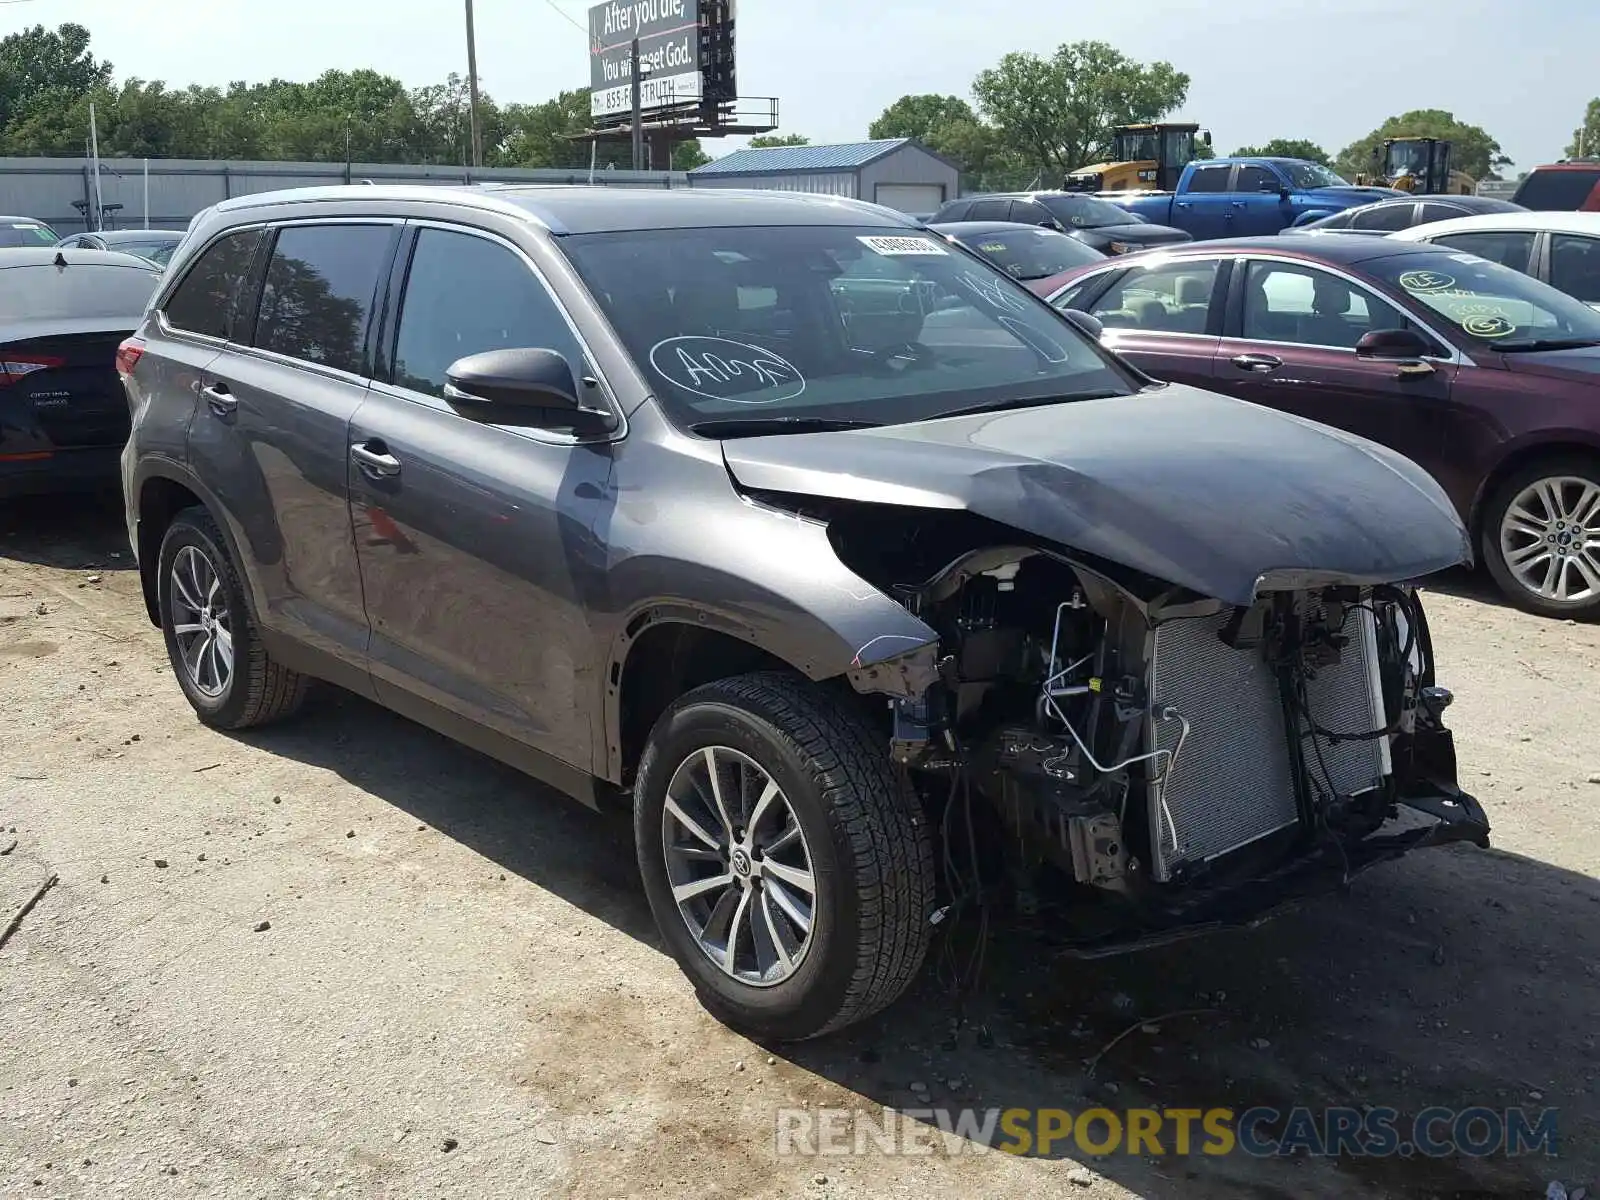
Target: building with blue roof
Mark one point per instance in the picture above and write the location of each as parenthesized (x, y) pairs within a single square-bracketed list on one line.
[(898, 173)]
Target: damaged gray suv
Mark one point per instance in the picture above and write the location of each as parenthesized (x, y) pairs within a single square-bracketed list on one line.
[(814, 538)]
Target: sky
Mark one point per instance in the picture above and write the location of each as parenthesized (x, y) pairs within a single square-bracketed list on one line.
[(1328, 70)]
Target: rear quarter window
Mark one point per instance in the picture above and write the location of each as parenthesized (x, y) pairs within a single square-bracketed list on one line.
[(208, 299), (82, 290)]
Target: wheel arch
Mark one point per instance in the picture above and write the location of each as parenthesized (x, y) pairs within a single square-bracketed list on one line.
[(164, 490), (1552, 445)]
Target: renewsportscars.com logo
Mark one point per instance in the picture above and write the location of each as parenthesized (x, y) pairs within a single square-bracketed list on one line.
[(1336, 1132)]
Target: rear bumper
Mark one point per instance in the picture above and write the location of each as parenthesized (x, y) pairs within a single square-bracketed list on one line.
[(83, 470), (1454, 816)]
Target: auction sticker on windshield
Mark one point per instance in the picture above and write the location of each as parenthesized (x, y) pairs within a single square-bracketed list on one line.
[(893, 246)]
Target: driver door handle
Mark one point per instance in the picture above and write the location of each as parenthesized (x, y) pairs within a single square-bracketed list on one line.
[(221, 401), (1261, 364), (374, 459)]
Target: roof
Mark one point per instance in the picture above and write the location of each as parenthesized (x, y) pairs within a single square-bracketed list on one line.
[(577, 209), (45, 256), (783, 160), (112, 237), (1310, 245), (1573, 164), (1512, 221)]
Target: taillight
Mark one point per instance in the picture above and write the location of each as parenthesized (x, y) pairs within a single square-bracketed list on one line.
[(128, 356), (17, 366)]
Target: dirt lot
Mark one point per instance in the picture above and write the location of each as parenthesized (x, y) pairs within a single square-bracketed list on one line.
[(461, 993)]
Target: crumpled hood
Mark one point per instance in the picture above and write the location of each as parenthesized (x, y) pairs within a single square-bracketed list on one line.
[(1349, 197), (1220, 496)]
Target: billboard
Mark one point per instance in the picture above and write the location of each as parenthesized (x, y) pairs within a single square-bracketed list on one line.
[(669, 52)]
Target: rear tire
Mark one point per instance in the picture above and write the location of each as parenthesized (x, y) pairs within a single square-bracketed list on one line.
[(212, 642), (839, 815), (1541, 535)]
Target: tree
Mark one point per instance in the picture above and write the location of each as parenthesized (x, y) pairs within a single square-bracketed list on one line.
[(769, 141), (1586, 138), (921, 117), (686, 156), (1475, 152), (1286, 148), (40, 67), (1057, 113)]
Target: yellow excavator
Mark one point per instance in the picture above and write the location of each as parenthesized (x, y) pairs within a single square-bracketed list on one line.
[(1420, 165), (1147, 157)]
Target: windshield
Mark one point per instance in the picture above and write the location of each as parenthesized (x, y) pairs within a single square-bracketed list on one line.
[(1032, 253), (158, 252), (1491, 304), (830, 323), (1134, 147), (1311, 175), (1084, 212)]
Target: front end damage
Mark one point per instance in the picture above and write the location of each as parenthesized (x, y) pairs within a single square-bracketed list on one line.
[(1185, 762)]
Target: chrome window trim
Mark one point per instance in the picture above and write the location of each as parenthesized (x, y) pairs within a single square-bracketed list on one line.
[(534, 435)]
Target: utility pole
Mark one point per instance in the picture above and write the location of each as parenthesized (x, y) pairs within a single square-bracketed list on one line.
[(635, 79), (472, 87)]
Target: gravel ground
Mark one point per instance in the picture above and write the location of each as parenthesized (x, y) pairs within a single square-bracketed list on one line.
[(345, 956)]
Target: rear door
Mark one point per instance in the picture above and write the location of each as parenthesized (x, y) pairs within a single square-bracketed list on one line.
[(59, 331), (1203, 208), (472, 536), (271, 435), (1290, 336), (1509, 247), (1164, 318)]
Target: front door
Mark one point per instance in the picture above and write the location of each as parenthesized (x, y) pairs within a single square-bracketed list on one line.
[(1159, 318), (1257, 206), (1292, 331), (475, 539)]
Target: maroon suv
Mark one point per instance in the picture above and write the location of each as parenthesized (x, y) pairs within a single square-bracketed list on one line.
[(1485, 377)]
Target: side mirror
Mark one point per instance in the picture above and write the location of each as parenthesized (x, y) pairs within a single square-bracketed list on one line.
[(1089, 325), (1207, 136), (1405, 347), (521, 387)]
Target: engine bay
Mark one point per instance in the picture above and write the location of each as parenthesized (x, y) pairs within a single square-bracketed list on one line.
[(1153, 745)]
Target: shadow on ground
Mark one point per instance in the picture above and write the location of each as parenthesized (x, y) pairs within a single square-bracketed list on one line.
[(75, 532)]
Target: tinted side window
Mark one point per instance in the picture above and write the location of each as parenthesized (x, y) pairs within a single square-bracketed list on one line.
[(956, 210), (1310, 307), (206, 299), (1209, 179), (989, 210), (319, 290), (1575, 266), (1433, 211), (1387, 217), (1557, 191), (1030, 212), (465, 294), (1256, 179), (1509, 249), (1175, 298)]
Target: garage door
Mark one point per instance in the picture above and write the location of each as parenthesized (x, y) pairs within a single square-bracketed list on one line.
[(910, 197)]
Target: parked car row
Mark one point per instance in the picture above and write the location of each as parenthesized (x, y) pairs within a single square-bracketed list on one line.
[(812, 536)]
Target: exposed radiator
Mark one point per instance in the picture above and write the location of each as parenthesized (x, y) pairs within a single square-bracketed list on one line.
[(1233, 783)]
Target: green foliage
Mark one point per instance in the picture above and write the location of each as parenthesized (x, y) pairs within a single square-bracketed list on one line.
[(1586, 138), (769, 141), (1286, 148), (921, 117), (1057, 113), (1475, 152)]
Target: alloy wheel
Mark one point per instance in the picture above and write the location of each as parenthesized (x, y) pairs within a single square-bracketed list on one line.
[(739, 866), (201, 622), (1550, 538)]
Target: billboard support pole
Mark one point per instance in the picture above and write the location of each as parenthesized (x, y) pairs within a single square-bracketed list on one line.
[(472, 87), (638, 116)]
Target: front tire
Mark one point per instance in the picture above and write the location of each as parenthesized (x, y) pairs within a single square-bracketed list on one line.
[(1541, 538), (215, 649), (788, 864)]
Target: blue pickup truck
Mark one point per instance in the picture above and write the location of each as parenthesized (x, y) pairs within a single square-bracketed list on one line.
[(1248, 197)]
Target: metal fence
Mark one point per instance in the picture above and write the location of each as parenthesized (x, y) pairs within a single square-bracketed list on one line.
[(167, 193)]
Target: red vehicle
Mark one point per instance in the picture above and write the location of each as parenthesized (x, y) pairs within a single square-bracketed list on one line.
[(1488, 379), (1561, 187)]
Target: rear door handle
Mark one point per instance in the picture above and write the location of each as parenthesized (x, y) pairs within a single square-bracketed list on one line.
[(1262, 364), (376, 462), (221, 401)]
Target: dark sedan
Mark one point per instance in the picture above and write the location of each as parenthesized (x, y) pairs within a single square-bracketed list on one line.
[(156, 245), (1092, 221), (1488, 379), (1390, 216), (63, 414), (1032, 256)]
